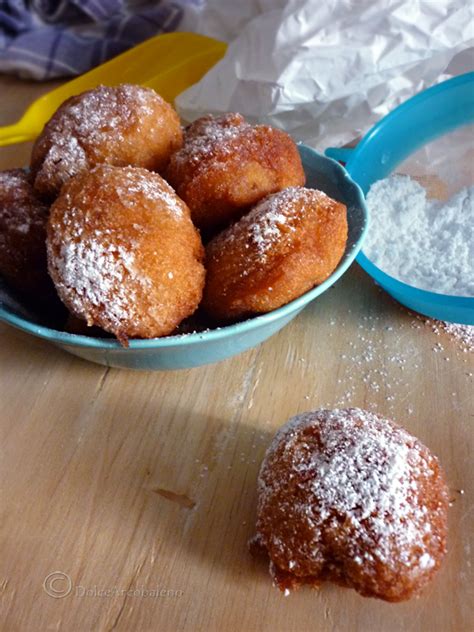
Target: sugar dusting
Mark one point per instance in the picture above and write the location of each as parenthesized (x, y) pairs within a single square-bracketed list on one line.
[(462, 334), (67, 152), (105, 108), (273, 220), (20, 208), (210, 135), (211, 141), (361, 471), (138, 183), (371, 337), (99, 269), (361, 362), (93, 121), (274, 216)]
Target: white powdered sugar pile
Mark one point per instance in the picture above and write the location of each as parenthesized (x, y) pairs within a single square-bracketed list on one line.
[(426, 243)]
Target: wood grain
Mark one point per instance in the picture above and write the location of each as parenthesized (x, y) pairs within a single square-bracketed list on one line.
[(132, 482)]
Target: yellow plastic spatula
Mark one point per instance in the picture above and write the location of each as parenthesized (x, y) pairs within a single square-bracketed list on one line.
[(167, 63)]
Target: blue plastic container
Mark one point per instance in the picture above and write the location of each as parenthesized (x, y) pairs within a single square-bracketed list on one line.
[(428, 115), (186, 351)]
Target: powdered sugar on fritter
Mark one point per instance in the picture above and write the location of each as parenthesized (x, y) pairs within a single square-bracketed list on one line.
[(364, 471), (209, 135), (85, 129), (20, 208), (96, 271), (66, 151), (104, 111), (151, 186), (275, 216), (97, 266)]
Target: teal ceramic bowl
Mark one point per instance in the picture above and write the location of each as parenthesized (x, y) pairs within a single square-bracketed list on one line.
[(191, 350), (428, 115)]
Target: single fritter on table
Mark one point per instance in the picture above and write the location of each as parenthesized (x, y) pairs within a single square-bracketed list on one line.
[(350, 497), (123, 252), (23, 218), (287, 244), (227, 165), (122, 125)]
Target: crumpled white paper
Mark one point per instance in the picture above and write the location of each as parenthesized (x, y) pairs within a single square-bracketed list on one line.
[(327, 70)]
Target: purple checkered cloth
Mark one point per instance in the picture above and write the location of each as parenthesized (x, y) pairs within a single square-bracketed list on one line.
[(43, 39)]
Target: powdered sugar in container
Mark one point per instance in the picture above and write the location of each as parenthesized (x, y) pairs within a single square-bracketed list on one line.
[(396, 140)]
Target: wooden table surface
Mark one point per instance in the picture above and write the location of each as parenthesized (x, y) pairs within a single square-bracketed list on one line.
[(138, 489)]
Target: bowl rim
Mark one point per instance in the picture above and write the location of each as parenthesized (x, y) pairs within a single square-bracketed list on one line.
[(406, 106), (383, 277), (379, 275), (218, 333)]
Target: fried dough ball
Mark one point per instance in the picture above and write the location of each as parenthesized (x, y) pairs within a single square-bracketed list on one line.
[(122, 125), (226, 165), (290, 242), (23, 218), (123, 252), (349, 497)]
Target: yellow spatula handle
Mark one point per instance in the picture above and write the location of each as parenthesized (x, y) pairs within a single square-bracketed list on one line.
[(169, 63), (16, 133)]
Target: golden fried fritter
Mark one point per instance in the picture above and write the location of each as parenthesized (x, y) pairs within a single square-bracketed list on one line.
[(121, 125), (349, 497), (227, 165), (123, 252), (23, 218), (287, 244)]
